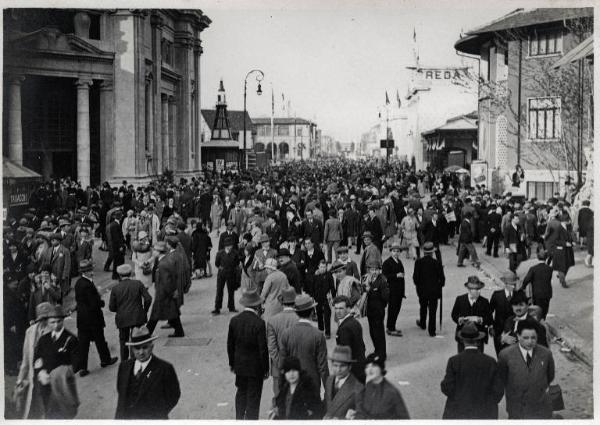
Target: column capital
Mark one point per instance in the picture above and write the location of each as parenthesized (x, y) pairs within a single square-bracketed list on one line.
[(106, 85), (15, 79), (198, 47), (83, 83)]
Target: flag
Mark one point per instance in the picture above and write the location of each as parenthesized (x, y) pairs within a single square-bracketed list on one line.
[(398, 99), (387, 99)]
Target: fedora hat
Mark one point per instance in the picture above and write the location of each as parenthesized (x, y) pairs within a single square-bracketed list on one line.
[(473, 282), (124, 270), (304, 302), (85, 266), (140, 336), (428, 247), (367, 234), (251, 299), (63, 222), (396, 246), (56, 236), (509, 277), (470, 332), (373, 263), (284, 252), (342, 353), (142, 235), (264, 238), (288, 296), (271, 263), (341, 249), (337, 267), (228, 242), (43, 311), (57, 311)]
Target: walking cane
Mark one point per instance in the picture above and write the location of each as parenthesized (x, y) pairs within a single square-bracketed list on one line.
[(441, 314)]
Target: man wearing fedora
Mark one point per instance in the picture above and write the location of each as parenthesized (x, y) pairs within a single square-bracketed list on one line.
[(130, 300), (248, 355), (349, 333), (289, 269), (371, 252), (429, 279), (501, 308), (116, 243), (57, 348), (378, 294), (342, 257), (393, 270), (90, 319), (275, 283), (147, 386), (311, 257), (59, 259), (260, 258), (229, 233), (540, 278), (520, 308), (373, 226), (306, 342), (275, 326), (227, 262), (472, 308), (342, 387), (472, 382)]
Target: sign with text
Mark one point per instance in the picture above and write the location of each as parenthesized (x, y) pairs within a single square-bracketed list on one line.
[(389, 143), (442, 74), (479, 173), (220, 164)]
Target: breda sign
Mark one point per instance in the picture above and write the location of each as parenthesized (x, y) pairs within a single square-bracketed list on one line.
[(441, 74)]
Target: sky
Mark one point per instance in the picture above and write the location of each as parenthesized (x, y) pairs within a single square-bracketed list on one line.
[(333, 65)]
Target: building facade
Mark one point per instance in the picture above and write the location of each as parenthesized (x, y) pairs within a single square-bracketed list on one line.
[(530, 113), (291, 139), (103, 94)]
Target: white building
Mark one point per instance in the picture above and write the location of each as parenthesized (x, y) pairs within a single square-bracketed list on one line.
[(294, 138)]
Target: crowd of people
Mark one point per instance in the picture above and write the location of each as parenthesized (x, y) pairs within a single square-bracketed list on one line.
[(284, 238)]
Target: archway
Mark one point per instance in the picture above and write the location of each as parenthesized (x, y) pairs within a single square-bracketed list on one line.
[(271, 149), (284, 150), (259, 147)]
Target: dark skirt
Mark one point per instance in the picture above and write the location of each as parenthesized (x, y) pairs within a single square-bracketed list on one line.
[(563, 258)]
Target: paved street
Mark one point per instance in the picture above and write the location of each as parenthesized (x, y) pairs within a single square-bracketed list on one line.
[(416, 362)]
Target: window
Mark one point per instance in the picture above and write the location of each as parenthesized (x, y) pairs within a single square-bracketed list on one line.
[(166, 48), (545, 43), (541, 190), (264, 130), (283, 130), (544, 118), (299, 131)]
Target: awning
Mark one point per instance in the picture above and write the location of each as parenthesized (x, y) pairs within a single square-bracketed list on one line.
[(11, 170), (581, 51)]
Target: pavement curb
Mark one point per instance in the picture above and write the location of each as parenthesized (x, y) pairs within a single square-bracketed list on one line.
[(558, 328)]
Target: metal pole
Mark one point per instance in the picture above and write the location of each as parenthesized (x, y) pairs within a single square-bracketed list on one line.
[(519, 103), (244, 151)]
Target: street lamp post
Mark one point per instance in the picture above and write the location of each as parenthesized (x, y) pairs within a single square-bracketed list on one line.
[(259, 77)]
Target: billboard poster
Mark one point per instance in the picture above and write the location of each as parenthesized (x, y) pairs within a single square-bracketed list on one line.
[(479, 173), (220, 164)]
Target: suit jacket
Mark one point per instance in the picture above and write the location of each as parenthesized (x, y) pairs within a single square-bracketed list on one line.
[(552, 234), (226, 235), (500, 309), (494, 222), (390, 270), (275, 326), (429, 278), (131, 301), (239, 219), (158, 394), (83, 251), (337, 406), (313, 230), (333, 230), (275, 235), (585, 220), (473, 386), (431, 233), (481, 308), (465, 232), (374, 226), (60, 262), (165, 305), (514, 237), (114, 237), (371, 253), (89, 305), (247, 345), (62, 352), (349, 333), (540, 277), (526, 388), (308, 344)]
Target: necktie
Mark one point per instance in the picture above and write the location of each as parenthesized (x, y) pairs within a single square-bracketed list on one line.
[(528, 359)]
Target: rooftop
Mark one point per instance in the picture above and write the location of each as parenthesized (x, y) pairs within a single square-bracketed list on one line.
[(236, 119), (282, 121)]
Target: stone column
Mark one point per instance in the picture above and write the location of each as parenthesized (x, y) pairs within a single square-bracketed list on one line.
[(15, 130), (83, 131), (107, 130), (198, 111), (149, 142), (173, 160), (165, 132)]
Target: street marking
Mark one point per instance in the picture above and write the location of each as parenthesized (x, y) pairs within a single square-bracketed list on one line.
[(404, 383)]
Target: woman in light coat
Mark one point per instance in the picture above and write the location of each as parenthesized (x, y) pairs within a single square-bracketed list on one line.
[(216, 211), (28, 397), (142, 258), (275, 283), (410, 226)]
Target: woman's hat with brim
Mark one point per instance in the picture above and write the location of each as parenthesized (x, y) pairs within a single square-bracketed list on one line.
[(271, 263), (469, 332), (43, 311), (342, 353), (140, 336), (291, 363), (284, 252), (251, 299), (264, 238), (473, 282), (428, 247), (377, 360), (304, 302)]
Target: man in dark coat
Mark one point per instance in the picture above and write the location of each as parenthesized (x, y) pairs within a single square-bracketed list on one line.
[(248, 356), (393, 270), (311, 257), (373, 225), (527, 369), (229, 233), (312, 228), (520, 307), (465, 241), (429, 280), (59, 259), (585, 221), (130, 300), (540, 278), (147, 386), (84, 246), (90, 319), (431, 233), (472, 308), (349, 333), (472, 382), (165, 306), (514, 243), (494, 220), (227, 263), (342, 387), (115, 242), (289, 269), (378, 296), (500, 307)]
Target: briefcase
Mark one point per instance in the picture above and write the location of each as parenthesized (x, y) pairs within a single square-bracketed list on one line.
[(556, 398)]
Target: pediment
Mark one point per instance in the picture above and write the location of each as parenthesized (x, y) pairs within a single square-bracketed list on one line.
[(51, 39)]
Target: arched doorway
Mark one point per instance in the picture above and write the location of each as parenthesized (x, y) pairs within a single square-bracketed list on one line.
[(271, 149), (259, 147), (284, 150)]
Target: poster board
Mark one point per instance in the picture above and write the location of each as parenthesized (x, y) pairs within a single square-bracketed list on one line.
[(220, 164), (479, 173)]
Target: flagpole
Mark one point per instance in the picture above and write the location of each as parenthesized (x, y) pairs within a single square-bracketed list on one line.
[(272, 126)]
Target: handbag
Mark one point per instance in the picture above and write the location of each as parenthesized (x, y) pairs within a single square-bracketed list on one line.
[(146, 269), (556, 397)]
